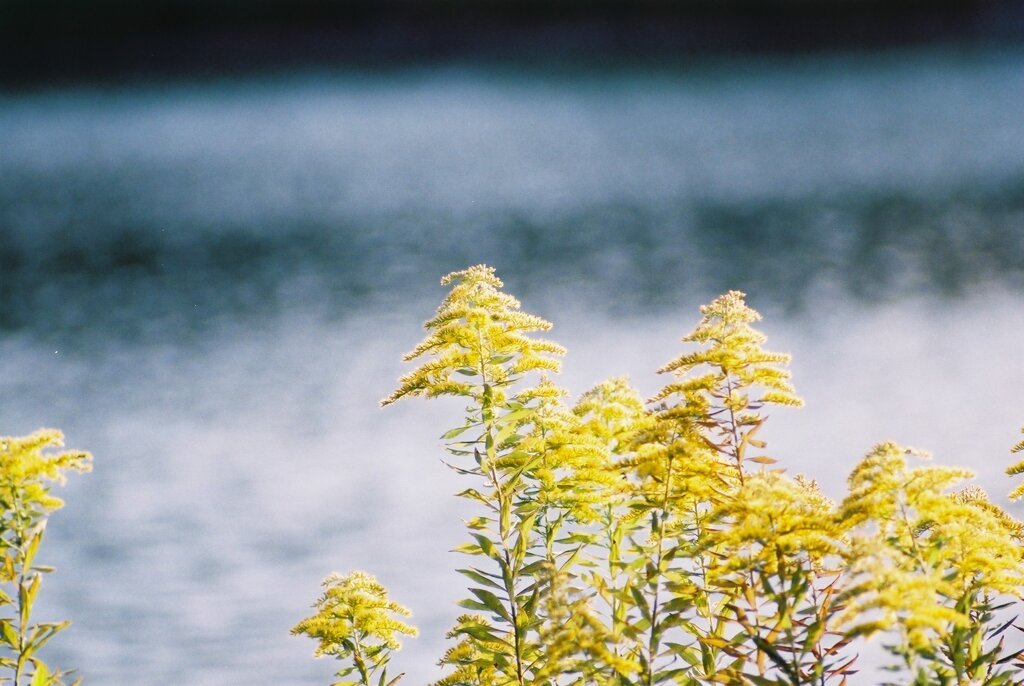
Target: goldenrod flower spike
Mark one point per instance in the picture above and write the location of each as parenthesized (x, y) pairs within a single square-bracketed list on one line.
[(480, 332), (612, 411), (536, 467), (721, 388), (355, 620), (28, 469), (733, 349), (773, 521), (930, 565)]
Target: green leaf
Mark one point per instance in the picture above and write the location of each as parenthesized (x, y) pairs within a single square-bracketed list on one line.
[(641, 602), (42, 674), (669, 674), (456, 432), (530, 604), (10, 636), (571, 560), (526, 525), (492, 603), (688, 654), (534, 568), (519, 550), (24, 602), (42, 633), (480, 578), (33, 545), (769, 650), (33, 588), (473, 494), (471, 604), (505, 434), (481, 633), (486, 545)]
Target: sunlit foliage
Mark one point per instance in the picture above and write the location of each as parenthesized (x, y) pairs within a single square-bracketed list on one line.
[(614, 542), (29, 468), (928, 566), (356, 621)]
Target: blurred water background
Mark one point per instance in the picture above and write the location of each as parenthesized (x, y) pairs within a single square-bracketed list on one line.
[(209, 284)]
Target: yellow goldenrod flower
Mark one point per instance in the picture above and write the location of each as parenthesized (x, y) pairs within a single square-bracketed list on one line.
[(612, 411), (720, 389), (773, 521), (354, 617), (571, 466), (926, 562), (478, 332), (473, 657), (733, 350), (27, 468)]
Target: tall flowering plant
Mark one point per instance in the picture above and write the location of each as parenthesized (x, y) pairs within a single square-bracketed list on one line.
[(617, 542), (29, 468)]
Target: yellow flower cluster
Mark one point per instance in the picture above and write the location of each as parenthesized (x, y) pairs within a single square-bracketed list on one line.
[(473, 656), (920, 552), (679, 470), (612, 411), (732, 355), (575, 641), (28, 468), (478, 331), (354, 615), (570, 466), (622, 545), (720, 389), (774, 521)]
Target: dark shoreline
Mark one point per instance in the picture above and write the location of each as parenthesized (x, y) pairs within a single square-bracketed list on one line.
[(390, 33)]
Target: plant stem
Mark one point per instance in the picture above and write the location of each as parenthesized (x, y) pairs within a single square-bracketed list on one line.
[(487, 416), (652, 644)]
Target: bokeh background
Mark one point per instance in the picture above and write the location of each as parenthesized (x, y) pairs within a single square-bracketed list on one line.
[(222, 223)]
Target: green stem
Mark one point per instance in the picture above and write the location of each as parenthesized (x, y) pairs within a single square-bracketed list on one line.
[(23, 612), (737, 454), (357, 657), (514, 611), (653, 639), (705, 609), (755, 609), (487, 415)]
